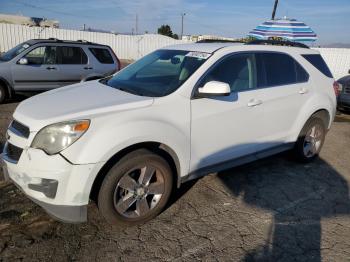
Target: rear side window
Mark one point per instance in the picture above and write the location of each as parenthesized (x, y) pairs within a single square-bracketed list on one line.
[(318, 62), (102, 55), (276, 69), (69, 55)]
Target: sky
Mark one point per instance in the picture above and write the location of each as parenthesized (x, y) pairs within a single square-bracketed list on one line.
[(330, 19)]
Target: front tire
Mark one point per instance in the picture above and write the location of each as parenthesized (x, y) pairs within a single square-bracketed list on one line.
[(310, 140), (136, 189)]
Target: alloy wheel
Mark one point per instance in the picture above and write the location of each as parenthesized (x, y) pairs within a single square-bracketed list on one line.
[(139, 191), (313, 141)]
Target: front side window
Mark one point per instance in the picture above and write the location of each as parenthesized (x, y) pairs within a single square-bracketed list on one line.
[(42, 55), (238, 71), (69, 55), (276, 69), (12, 53), (157, 74)]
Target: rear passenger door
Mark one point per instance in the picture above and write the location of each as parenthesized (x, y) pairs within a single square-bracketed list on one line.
[(73, 64), (286, 89)]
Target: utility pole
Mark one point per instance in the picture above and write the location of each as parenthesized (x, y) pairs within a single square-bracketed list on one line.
[(137, 24), (274, 10), (182, 24), (84, 27)]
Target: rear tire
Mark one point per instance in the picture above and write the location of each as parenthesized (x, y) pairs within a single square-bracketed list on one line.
[(3, 93), (136, 189), (310, 140)]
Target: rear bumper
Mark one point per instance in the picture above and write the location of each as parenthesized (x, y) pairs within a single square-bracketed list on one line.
[(344, 101)]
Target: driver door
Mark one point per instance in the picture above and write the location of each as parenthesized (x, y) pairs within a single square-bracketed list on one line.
[(226, 128), (40, 73)]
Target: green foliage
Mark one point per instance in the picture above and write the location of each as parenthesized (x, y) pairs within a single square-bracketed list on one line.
[(165, 30)]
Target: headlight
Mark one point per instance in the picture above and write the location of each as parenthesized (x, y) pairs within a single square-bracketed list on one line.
[(57, 137)]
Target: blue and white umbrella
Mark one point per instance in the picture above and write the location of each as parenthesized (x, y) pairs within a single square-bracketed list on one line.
[(289, 29)]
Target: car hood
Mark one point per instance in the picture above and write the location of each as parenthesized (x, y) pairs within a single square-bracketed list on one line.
[(79, 101)]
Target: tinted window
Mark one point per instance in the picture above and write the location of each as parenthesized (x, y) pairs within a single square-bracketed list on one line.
[(237, 71), (42, 55), (157, 74), (302, 75), (71, 55), (318, 62), (102, 55), (275, 69)]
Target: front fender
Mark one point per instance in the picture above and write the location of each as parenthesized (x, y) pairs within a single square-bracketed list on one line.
[(105, 140)]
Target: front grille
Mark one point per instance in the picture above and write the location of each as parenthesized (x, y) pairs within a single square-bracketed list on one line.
[(13, 152), (19, 129)]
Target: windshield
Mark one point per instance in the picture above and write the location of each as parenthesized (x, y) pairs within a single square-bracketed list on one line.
[(157, 74), (10, 54)]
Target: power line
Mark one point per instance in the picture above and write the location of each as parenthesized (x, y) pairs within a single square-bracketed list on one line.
[(48, 9)]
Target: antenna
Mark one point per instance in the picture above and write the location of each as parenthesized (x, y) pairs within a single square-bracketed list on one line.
[(274, 10)]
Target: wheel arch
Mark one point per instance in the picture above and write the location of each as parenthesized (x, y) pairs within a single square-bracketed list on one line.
[(158, 148), (324, 115), (7, 86)]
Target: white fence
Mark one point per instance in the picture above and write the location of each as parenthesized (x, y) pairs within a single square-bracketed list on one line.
[(125, 46), (134, 47)]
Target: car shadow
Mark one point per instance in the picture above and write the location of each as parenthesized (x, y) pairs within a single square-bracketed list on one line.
[(299, 196)]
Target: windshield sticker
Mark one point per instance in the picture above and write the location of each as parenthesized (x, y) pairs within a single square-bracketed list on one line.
[(199, 55), (25, 46)]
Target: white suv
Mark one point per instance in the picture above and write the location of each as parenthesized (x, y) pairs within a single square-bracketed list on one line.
[(176, 114)]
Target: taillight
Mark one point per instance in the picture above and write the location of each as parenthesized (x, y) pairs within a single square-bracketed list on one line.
[(336, 88)]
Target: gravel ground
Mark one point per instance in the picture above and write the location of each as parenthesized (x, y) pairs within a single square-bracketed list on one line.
[(270, 210)]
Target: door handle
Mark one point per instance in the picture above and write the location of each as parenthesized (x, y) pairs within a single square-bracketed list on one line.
[(51, 68), (88, 67), (254, 102), (303, 91)]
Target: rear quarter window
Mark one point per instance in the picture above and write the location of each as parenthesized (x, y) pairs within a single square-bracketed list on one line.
[(103, 55), (318, 62)]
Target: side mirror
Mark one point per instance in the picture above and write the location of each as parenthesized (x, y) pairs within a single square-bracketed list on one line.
[(23, 61), (214, 88)]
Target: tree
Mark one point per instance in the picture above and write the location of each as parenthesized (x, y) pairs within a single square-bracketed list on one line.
[(175, 36), (165, 30)]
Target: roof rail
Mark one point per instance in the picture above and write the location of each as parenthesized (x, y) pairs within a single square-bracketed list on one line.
[(55, 39), (84, 41), (218, 41), (277, 42)]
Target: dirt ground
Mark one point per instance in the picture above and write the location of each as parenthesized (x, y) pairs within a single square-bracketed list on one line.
[(271, 210)]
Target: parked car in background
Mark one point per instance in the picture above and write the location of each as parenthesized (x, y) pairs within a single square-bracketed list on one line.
[(176, 114), (44, 64), (344, 93)]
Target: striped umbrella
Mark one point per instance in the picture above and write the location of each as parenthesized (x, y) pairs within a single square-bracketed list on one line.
[(289, 29)]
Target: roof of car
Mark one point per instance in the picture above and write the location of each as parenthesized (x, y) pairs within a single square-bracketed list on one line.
[(54, 40), (202, 47), (211, 47)]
